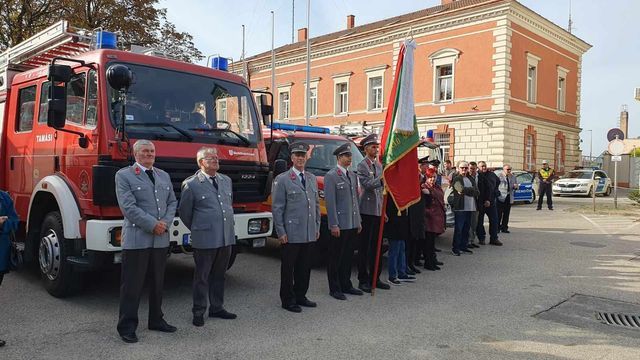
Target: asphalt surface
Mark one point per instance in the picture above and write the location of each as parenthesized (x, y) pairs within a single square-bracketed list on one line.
[(479, 306)]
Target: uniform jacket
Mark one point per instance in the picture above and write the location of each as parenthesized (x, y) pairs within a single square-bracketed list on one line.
[(208, 212), (296, 209), (370, 177), (11, 224), (143, 204), (341, 198), (506, 188)]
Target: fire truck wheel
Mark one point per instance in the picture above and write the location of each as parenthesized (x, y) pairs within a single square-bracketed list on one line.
[(232, 258), (58, 275)]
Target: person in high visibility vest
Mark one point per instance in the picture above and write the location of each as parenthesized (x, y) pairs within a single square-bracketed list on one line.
[(546, 176)]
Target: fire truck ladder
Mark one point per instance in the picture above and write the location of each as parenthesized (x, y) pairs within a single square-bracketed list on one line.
[(58, 39)]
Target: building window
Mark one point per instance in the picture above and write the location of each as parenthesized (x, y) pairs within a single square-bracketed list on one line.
[(313, 100), (375, 93), (529, 149), (442, 140), (444, 82), (26, 108), (559, 155), (221, 109), (562, 88), (532, 78), (283, 97), (443, 62), (342, 98)]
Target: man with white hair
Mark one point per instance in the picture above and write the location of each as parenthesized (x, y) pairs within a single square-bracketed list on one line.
[(148, 203), (206, 208)]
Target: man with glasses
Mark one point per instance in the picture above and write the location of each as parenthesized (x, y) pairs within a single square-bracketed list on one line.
[(206, 208), (488, 184), (296, 218), (463, 204), (505, 198)]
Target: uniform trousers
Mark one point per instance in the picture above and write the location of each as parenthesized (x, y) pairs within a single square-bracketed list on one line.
[(138, 265), (340, 258), (504, 210), (208, 279), (367, 248), (545, 188), (295, 271)]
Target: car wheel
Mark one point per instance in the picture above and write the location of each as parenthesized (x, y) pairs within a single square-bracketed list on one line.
[(58, 275), (608, 192)]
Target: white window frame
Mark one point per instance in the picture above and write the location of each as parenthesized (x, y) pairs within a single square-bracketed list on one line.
[(340, 79), (313, 106), (530, 143), (372, 73), (559, 150), (445, 146), (443, 57), (532, 81), (285, 88), (562, 89)]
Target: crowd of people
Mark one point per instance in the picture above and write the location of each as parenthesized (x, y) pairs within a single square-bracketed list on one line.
[(355, 210)]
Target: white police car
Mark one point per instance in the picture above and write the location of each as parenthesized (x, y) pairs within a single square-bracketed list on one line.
[(583, 182)]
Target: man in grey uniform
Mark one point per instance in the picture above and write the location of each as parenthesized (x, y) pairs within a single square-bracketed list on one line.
[(343, 215), (296, 217), (148, 203), (370, 177), (206, 208)]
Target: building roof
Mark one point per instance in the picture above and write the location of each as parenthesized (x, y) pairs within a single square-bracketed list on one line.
[(432, 11)]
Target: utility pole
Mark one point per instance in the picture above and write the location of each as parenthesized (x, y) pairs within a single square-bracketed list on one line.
[(308, 88), (273, 53), (293, 19), (244, 66)]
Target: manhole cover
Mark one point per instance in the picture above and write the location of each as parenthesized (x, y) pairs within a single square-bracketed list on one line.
[(587, 244), (596, 313)]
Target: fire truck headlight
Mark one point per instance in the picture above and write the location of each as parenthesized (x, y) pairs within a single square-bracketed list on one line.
[(116, 236), (258, 226)]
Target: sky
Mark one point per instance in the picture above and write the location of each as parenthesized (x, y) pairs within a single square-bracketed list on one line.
[(610, 69)]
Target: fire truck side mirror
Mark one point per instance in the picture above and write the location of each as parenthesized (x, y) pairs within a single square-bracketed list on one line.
[(279, 167), (265, 108), (57, 102), (60, 73), (119, 77)]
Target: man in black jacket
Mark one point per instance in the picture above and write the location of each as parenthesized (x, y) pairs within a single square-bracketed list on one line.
[(488, 183)]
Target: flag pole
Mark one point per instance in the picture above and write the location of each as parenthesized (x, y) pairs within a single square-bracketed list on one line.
[(376, 266)]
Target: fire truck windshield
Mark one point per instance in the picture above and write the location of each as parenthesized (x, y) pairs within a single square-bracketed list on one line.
[(170, 105)]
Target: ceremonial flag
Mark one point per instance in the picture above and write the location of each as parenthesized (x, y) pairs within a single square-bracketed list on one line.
[(400, 135)]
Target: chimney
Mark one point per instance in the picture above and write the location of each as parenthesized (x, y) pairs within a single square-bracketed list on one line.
[(624, 121), (351, 21), (302, 34)]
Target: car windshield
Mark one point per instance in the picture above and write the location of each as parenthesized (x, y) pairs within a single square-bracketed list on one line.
[(321, 158), (171, 105), (578, 175)]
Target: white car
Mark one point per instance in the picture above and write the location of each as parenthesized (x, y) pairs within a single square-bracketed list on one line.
[(583, 182)]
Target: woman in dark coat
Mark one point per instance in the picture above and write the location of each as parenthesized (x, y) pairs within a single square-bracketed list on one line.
[(434, 218), (8, 223)]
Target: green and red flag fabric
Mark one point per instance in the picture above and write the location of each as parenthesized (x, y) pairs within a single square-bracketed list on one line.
[(400, 136)]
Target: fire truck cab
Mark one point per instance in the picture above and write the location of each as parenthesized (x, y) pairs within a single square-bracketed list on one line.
[(71, 108)]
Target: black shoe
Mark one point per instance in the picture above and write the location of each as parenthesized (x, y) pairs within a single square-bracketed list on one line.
[(466, 251), (415, 271), (455, 252), (495, 242), (437, 250), (382, 285), (2, 343), (223, 314), (506, 231), (128, 338), (474, 246), (338, 295), (550, 208), (431, 267), (395, 281), (538, 208), (163, 327), (353, 291), (198, 321), (365, 287), (439, 263), (407, 278), (306, 303), (410, 272), (292, 307)]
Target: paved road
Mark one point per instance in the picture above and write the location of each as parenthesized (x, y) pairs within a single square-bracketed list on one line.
[(479, 306)]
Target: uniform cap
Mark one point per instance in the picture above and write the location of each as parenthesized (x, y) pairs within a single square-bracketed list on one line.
[(434, 162), (545, 162), (343, 149), (299, 147), (370, 139), (424, 160)]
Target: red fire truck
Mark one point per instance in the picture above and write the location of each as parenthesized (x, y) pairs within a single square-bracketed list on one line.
[(71, 107)]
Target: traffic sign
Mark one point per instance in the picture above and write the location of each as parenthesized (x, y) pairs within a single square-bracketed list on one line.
[(616, 158), (616, 147), (611, 134)]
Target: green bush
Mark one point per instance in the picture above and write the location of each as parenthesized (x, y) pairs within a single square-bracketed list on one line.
[(635, 196)]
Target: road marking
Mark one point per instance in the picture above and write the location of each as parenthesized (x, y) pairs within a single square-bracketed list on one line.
[(602, 230), (612, 226)]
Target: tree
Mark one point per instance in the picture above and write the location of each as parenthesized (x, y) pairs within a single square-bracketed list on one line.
[(138, 22)]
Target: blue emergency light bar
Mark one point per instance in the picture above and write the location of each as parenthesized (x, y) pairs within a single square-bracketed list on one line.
[(220, 63), (106, 40), (305, 128)]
